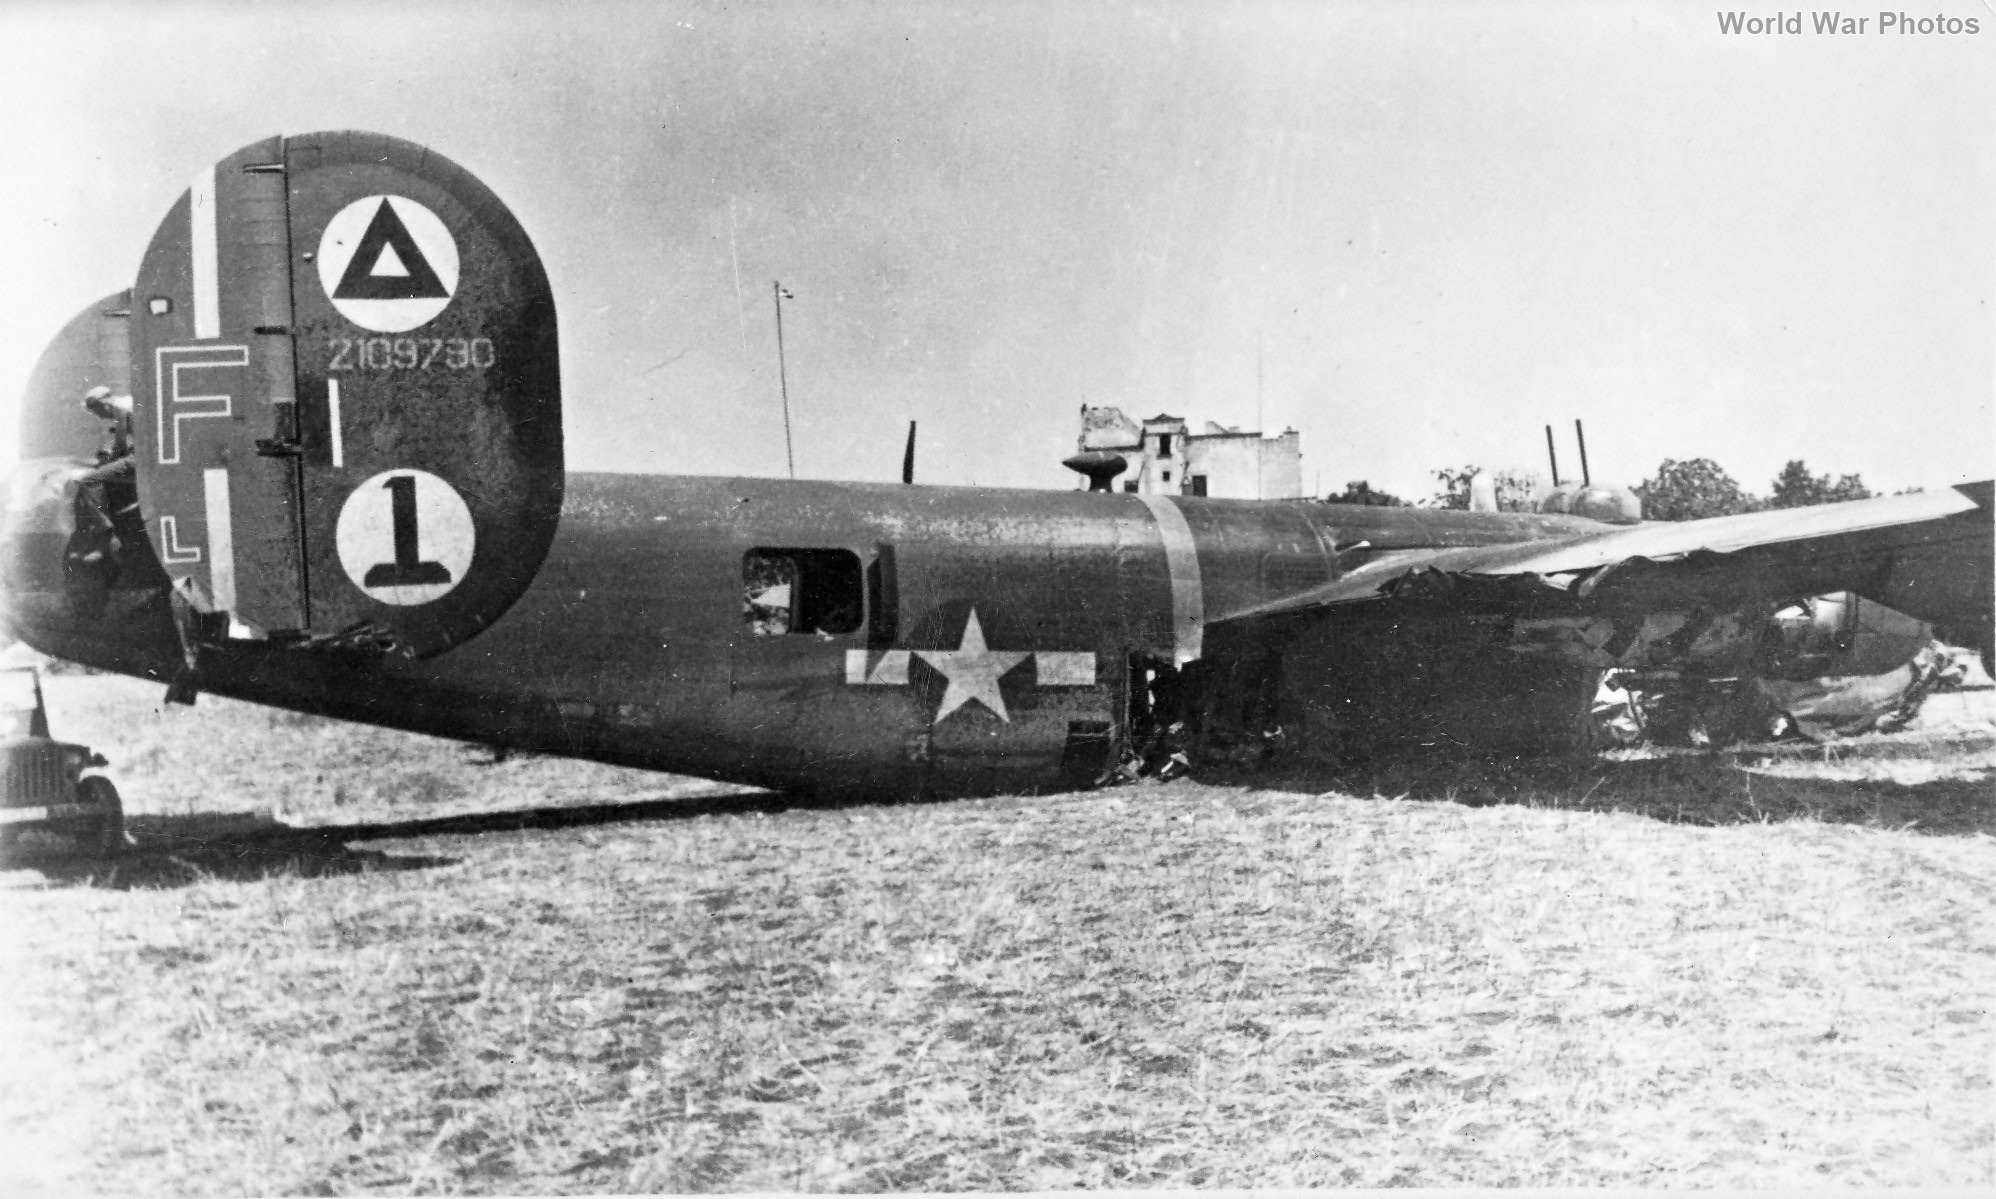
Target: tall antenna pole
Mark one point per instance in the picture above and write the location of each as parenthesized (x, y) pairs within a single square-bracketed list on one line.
[(783, 377), (1553, 455), (1580, 435)]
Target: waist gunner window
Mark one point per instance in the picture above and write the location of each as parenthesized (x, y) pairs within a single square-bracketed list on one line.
[(794, 590)]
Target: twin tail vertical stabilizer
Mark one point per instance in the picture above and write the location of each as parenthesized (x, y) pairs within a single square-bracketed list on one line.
[(347, 397)]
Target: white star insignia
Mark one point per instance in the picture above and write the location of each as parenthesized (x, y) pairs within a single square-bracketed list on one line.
[(973, 671)]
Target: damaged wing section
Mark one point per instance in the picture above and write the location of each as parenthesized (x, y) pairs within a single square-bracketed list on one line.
[(1928, 554), (1504, 645)]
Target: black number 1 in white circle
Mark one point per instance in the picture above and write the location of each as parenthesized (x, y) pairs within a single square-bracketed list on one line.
[(408, 569), (411, 546)]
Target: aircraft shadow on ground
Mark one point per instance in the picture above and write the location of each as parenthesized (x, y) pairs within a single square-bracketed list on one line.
[(177, 851), (1946, 793), (159, 859), (740, 803), (1949, 795)]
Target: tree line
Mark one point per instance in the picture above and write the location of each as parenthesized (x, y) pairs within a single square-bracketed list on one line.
[(1681, 489)]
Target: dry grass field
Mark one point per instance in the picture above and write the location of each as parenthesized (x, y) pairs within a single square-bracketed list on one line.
[(343, 960)]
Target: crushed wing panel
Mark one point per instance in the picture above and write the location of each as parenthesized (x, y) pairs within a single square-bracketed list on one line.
[(1928, 553)]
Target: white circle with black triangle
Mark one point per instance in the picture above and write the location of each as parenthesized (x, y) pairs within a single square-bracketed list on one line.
[(388, 263)]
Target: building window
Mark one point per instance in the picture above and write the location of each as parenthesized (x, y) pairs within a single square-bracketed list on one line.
[(1196, 485), (1130, 486), (801, 591), (1164, 445), (1167, 476)]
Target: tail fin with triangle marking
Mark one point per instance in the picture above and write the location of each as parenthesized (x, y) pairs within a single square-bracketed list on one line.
[(347, 394)]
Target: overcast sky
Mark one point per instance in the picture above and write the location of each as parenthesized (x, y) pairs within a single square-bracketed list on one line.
[(1417, 233)]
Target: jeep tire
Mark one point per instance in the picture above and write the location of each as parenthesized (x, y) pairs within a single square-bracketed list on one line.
[(101, 833)]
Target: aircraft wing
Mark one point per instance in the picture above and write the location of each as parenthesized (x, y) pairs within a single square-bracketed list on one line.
[(1927, 554)]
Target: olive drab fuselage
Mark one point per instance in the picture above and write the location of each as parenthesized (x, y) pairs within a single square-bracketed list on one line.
[(978, 640)]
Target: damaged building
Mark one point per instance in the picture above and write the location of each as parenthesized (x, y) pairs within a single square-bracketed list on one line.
[(1165, 457)]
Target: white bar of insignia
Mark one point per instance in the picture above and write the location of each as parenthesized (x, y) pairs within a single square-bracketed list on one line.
[(890, 671), (1065, 669)]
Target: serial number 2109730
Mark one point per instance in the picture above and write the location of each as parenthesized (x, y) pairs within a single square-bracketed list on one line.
[(410, 353)]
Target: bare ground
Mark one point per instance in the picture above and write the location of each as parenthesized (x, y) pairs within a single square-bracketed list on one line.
[(345, 960)]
